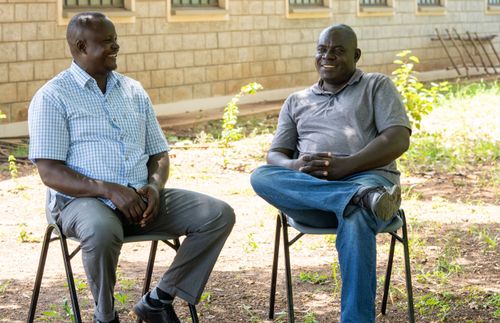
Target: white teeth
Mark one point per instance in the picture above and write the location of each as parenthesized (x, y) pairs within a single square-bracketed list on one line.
[(328, 66)]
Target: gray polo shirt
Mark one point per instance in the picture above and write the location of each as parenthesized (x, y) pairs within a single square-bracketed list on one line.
[(344, 122)]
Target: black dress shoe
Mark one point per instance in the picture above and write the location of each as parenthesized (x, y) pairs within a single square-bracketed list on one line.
[(115, 320), (152, 314)]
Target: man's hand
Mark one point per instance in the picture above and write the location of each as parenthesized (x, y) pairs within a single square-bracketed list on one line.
[(151, 194), (127, 200), (324, 165)]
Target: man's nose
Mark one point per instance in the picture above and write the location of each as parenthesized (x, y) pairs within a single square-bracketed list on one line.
[(328, 53)]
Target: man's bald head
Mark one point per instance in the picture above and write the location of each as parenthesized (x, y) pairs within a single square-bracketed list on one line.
[(79, 24), (346, 30)]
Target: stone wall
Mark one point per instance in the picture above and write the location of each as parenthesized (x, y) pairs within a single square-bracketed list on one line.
[(178, 61)]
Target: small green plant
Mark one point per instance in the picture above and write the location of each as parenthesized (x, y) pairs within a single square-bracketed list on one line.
[(434, 305), (13, 167), (4, 285), (51, 315), (121, 298), (419, 100), (206, 299), (494, 302), (250, 245), (486, 237), (310, 318), (68, 310), (230, 131), (337, 283), (313, 278), (25, 236)]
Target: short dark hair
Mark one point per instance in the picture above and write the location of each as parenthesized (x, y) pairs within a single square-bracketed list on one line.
[(346, 29), (81, 22)]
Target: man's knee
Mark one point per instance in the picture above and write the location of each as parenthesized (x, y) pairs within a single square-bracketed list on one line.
[(102, 235), (261, 177), (227, 217)]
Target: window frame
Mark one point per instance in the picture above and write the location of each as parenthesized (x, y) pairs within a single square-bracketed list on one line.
[(435, 10), (491, 9), (370, 11), (117, 15), (309, 11), (211, 13)]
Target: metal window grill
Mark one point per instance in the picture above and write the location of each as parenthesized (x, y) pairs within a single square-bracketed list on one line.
[(373, 2), (93, 4), (195, 3), (430, 2), (494, 2), (306, 2)]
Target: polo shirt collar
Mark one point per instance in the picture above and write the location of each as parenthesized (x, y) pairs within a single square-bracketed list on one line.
[(355, 78), (82, 77)]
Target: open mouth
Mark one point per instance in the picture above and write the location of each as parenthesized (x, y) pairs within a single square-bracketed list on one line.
[(113, 56), (327, 66)]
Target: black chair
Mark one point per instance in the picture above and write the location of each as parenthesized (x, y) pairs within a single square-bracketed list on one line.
[(282, 224), (54, 229)]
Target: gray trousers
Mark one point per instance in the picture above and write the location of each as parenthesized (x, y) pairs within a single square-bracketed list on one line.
[(205, 221)]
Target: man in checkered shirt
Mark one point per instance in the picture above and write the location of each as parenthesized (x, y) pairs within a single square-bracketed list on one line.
[(100, 150)]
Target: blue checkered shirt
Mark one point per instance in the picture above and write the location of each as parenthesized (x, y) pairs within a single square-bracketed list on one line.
[(106, 136)]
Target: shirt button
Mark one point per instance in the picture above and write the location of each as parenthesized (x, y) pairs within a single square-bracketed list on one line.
[(114, 119), (126, 158), (121, 137)]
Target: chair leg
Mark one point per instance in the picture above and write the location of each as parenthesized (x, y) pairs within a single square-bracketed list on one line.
[(288, 271), (149, 270), (194, 314), (274, 271), (388, 275), (39, 273), (69, 277), (409, 287)]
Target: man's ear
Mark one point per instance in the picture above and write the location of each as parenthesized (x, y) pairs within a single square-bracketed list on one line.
[(357, 54), (81, 46)]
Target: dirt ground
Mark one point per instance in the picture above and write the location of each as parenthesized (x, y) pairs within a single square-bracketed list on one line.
[(446, 212)]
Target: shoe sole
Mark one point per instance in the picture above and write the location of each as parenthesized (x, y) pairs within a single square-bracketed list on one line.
[(388, 203)]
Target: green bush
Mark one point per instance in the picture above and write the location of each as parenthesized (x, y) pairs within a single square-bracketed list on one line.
[(419, 100), (230, 131)]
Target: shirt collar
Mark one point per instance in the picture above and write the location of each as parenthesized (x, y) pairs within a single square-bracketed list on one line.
[(355, 78), (82, 77)]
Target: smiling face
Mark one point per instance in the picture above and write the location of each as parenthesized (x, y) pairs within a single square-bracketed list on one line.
[(336, 56), (93, 44), (101, 48)]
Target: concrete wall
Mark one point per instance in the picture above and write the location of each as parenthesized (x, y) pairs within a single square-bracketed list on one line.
[(192, 60)]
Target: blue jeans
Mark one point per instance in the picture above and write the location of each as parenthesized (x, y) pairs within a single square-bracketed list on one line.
[(322, 203)]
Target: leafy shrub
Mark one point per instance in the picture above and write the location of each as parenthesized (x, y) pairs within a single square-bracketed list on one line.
[(419, 100), (230, 131)]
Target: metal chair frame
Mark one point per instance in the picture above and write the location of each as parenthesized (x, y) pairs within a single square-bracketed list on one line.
[(282, 224), (67, 256)]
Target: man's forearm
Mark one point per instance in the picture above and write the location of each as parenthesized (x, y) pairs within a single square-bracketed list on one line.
[(158, 169), (58, 176), (384, 149)]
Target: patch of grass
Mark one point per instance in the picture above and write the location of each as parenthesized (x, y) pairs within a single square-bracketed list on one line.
[(313, 278), (250, 245), (24, 236), (494, 302), (206, 299), (435, 305), (310, 318), (485, 237)]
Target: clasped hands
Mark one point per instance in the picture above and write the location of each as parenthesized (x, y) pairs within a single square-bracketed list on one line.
[(138, 206), (324, 165)]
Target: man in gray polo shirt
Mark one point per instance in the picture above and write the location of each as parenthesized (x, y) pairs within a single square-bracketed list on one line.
[(332, 162)]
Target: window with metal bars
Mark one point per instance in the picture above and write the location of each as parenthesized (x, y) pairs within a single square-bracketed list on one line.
[(373, 3), (429, 2), (494, 2), (94, 4), (195, 3), (306, 2)]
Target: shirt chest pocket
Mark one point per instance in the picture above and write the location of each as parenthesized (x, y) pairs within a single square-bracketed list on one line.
[(88, 123)]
